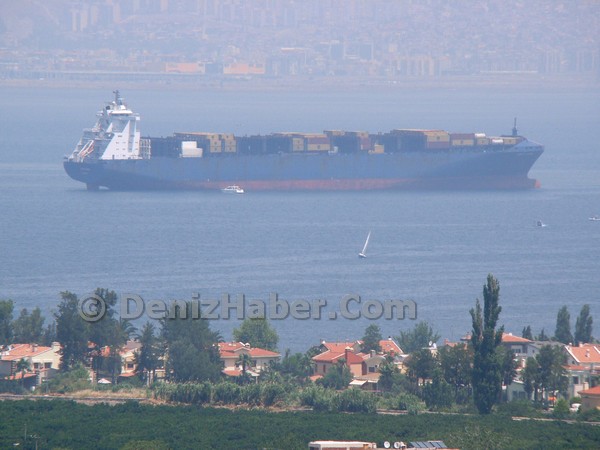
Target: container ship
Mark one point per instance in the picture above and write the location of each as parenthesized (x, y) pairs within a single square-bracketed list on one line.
[(114, 155)]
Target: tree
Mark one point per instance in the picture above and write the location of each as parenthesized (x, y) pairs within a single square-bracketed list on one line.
[(297, 365), (388, 376), (421, 336), (563, 326), (545, 373), (338, 377), (122, 330), (244, 361), (6, 325), (527, 334), (258, 333), (455, 363), (147, 357), (49, 335), (421, 365), (370, 340), (71, 331), (438, 394), (583, 326), (23, 366), (508, 364), (192, 352), (531, 378), (29, 327), (485, 339), (542, 336), (551, 373)]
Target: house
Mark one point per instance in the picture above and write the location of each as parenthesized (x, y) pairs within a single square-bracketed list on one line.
[(579, 379), (260, 358), (522, 348), (43, 362), (586, 355), (590, 398), (364, 367), (128, 356)]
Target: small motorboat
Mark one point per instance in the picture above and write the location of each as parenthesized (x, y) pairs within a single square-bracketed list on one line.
[(232, 190)]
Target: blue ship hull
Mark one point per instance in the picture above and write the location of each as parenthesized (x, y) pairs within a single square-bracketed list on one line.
[(453, 168)]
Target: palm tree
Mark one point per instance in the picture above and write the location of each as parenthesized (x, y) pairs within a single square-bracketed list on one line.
[(23, 366), (245, 361)]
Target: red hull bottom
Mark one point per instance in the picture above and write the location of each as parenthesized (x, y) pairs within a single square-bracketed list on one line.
[(370, 184)]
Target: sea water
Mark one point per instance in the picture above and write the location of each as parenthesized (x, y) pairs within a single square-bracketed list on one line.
[(433, 248)]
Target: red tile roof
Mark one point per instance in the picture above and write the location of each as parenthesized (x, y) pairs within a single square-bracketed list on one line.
[(576, 367), (389, 346), (331, 356), (328, 356), (18, 351), (512, 339), (17, 376), (339, 347), (585, 353), (592, 391), (233, 350)]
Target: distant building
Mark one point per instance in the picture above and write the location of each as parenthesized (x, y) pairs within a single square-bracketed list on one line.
[(260, 358), (43, 362), (364, 367), (590, 398)]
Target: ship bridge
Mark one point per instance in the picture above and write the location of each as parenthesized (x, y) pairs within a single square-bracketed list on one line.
[(115, 135)]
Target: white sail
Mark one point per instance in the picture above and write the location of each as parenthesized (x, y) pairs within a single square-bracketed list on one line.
[(363, 254)]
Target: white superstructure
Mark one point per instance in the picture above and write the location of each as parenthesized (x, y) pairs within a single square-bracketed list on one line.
[(116, 135)]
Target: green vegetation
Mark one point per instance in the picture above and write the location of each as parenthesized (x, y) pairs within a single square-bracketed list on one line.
[(464, 378), (29, 327), (6, 323), (486, 341), (583, 326), (258, 333), (147, 360), (193, 348), (545, 375), (62, 424), (421, 336), (370, 340), (563, 326)]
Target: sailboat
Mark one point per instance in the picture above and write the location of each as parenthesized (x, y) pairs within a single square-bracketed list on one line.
[(363, 254)]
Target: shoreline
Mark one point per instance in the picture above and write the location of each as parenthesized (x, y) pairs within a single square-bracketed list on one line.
[(508, 81)]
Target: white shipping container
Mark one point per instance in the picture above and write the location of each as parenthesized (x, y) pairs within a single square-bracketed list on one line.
[(189, 149)]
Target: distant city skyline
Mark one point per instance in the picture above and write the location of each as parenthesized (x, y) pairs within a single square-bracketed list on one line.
[(378, 39)]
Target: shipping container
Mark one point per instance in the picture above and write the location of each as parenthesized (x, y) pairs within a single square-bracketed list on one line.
[(365, 143), (318, 147), (462, 142), (297, 144), (510, 140), (437, 136), (438, 145), (189, 149), (454, 136)]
